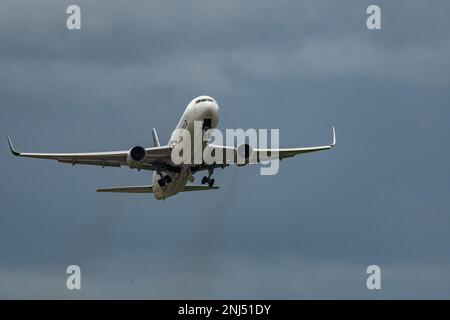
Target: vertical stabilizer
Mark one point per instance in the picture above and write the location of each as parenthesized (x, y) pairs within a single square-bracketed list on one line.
[(155, 138)]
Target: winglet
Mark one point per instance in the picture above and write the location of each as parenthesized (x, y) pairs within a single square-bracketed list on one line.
[(14, 152), (334, 137)]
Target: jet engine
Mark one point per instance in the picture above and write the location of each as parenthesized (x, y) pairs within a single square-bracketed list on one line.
[(136, 156), (244, 153)]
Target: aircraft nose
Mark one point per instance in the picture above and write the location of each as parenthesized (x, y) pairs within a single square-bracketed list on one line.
[(215, 107), (211, 108), (215, 111)]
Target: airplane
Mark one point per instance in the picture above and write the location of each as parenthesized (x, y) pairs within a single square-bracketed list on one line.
[(169, 179)]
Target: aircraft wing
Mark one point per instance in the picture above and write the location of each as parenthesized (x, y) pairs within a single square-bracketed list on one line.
[(270, 154), (105, 159), (262, 155)]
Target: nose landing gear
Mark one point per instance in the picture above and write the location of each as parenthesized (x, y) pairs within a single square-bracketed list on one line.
[(206, 125)]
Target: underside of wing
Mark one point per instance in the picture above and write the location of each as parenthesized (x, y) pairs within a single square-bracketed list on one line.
[(153, 156), (262, 155), (230, 154)]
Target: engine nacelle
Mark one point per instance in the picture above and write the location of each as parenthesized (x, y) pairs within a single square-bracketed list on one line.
[(243, 152), (136, 156)]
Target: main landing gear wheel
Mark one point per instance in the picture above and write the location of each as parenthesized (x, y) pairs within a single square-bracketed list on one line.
[(166, 179), (209, 181)]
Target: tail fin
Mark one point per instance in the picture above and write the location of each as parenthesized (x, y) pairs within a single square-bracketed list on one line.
[(155, 138)]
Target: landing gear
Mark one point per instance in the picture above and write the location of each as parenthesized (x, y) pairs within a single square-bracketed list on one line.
[(166, 179), (206, 124), (207, 179)]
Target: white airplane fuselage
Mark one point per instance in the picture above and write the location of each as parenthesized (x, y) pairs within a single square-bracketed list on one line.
[(205, 110)]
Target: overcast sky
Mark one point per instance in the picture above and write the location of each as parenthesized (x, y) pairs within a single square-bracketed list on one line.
[(382, 196)]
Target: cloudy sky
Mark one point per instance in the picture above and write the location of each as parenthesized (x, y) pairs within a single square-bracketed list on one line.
[(382, 196)]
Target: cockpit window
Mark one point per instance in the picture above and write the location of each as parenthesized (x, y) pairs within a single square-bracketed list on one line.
[(203, 100)]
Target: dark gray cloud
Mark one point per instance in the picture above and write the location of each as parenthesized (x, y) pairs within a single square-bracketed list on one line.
[(380, 197)]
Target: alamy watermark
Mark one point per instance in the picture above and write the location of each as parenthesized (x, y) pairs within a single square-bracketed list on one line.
[(210, 148), (73, 20), (73, 281), (374, 280), (373, 22)]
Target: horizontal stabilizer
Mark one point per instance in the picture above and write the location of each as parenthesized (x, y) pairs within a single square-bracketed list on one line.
[(198, 188), (130, 189), (149, 189)]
